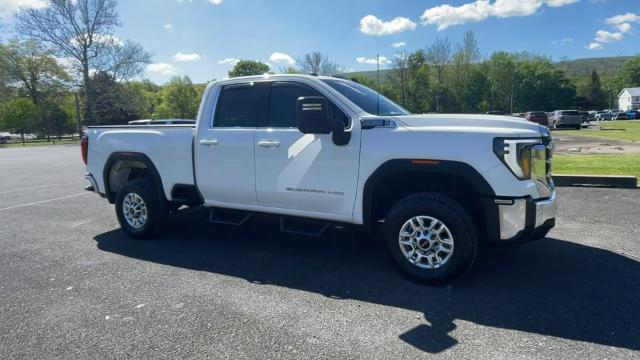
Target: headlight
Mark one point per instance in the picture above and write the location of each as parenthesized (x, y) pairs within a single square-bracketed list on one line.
[(516, 154)]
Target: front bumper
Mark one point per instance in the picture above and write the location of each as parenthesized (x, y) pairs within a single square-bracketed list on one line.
[(524, 219)]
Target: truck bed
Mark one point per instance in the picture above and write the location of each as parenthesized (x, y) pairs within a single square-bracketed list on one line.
[(168, 147)]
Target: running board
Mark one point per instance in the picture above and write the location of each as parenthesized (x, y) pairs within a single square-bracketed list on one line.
[(228, 217), (304, 227)]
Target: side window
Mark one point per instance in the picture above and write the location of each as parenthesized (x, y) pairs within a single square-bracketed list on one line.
[(283, 105), (239, 106)]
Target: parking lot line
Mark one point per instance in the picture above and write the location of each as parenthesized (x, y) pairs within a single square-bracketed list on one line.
[(28, 188), (43, 201)]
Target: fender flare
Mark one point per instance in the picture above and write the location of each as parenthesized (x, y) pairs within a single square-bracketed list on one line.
[(130, 156), (425, 166)]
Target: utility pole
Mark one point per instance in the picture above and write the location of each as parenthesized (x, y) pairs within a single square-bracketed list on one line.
[(378, 92), (513, 70)]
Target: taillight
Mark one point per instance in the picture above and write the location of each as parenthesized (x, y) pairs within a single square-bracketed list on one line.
[(84, 148)]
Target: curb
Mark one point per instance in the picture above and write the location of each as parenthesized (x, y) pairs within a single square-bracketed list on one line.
[(620, 182)]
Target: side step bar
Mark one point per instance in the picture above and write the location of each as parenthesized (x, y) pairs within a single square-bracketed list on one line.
[(303, 226), (228, 217)]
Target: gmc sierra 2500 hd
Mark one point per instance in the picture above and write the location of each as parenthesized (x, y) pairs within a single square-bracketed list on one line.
[(322, 150)]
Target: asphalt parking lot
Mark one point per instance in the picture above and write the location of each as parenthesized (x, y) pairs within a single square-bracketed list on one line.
[(72, 285)]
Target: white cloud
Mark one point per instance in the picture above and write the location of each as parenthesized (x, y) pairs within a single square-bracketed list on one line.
[(603, 36), (594, 46), (104, 39), (622, 23), (214, 2), (187, 57), (371, 25), (168, 27), (231, 61), (446, 15), (163, 68), (373, 61), (8, 7), (562, 41), (399, 44), (281, 58), (624, 18)]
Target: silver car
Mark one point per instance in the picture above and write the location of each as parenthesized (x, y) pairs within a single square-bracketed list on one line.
[(566, 118)]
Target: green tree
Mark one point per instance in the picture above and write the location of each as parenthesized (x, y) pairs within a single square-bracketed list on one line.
[(36, 71), (181, 98), (82, 30), (249, 67), (418, 90), (19, 115), (541, 85), (115, 104), (629, 75), (595, 96)]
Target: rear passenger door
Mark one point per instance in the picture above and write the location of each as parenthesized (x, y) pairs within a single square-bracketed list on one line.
[(225, 158)]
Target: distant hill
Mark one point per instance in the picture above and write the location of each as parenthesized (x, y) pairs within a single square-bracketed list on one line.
[(574, 68), (603, 65)]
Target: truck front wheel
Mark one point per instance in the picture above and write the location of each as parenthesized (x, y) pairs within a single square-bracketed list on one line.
[(430, 237), (139, 208)]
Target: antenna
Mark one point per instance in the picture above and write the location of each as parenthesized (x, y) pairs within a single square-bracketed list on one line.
[(378, 92)]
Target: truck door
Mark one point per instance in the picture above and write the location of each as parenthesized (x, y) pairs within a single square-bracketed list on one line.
[(303, 172), (225, 159)]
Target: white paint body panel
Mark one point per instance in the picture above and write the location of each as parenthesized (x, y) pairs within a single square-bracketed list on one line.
[(239, 174), (168, 147)]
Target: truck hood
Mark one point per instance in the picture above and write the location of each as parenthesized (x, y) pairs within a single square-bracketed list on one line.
[(499, 125)]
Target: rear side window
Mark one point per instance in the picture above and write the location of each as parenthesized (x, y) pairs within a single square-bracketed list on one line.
[(239, 106)]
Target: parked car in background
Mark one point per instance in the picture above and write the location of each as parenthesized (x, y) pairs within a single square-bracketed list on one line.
[(5, 137), (620, 115), (592, 115), (604, 115), (163, 122), (585, 116), (538, 117), (497, 112), (566, 118), (633, 114)]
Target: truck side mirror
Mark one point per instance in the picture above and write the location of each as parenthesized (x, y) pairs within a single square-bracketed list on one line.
[(314, 118)]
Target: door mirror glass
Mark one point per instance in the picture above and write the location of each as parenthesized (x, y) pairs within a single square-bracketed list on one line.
[(313, 115)]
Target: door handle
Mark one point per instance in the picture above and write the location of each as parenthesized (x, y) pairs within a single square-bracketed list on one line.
[(209, 142), (269, 143)]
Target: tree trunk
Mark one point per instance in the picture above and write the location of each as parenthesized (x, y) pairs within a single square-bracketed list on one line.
[(88, 95)]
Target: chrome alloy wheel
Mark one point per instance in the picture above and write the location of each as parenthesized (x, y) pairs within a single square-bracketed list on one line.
[(426, 242), (134, 210)]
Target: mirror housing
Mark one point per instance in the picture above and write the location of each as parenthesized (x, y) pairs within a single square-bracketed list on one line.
[(314, 118)]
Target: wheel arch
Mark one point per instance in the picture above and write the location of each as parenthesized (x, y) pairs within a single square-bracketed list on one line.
[(395, 179), (126, 163)]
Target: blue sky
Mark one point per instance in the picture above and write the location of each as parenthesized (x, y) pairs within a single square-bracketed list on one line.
[(195, 37)]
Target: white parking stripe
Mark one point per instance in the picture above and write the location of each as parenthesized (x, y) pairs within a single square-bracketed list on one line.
[(25, 189), (43, 201)]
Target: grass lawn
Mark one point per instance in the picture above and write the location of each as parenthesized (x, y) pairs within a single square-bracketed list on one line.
[(41, 143), (617, 130), (597, 165)]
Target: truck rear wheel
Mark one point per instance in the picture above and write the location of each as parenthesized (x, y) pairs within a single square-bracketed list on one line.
[(140, 209), (430, 237)]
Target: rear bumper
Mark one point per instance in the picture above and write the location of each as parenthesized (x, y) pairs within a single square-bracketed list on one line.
[(93, 185), (520, 220)]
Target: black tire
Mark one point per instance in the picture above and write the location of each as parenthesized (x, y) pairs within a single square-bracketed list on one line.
[(156, 208), (453, 216), (579, 127)]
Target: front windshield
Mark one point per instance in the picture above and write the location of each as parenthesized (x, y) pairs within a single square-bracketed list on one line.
[(366, 99)]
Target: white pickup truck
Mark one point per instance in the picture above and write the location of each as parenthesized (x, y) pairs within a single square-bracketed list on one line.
[(322, 151)]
